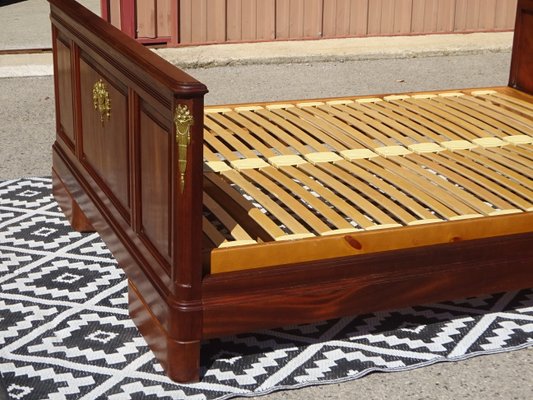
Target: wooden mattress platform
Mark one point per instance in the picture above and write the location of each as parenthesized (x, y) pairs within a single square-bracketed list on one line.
[(341, 169)]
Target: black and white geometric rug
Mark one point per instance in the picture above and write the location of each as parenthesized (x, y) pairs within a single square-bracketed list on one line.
[(65, 331)]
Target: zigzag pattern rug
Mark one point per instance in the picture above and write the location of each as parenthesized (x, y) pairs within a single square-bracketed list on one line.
[(65, 331)]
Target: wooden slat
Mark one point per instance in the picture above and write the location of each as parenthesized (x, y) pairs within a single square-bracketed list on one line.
[(243, 136), (477, 128), (348, 186), (521, 155), (222, 215), (449, 109), (414, 162), (291, 204), (433, 121), (376, 138), (486, 119), (518, 122), (504, 166), (401, 122), (462, 176), (309, 128), (382, 180), (390, 126), (513, 103), (212, 232), (305, 188), (261, 133), (311, 179), (338, 130), (296, 189), (277, 211), (496, 183), (241, 210), (290, 134), (421, 180)]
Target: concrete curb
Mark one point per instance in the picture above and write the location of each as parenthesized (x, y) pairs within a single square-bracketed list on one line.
[(337, 50), (25, 65), (306, 51)]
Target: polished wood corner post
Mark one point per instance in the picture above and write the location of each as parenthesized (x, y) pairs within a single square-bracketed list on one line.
[(127, 162), (522, 59)]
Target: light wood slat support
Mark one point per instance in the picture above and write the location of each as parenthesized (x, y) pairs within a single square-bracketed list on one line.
[(241, 209), (461, 176), (483, 110), (453, 131), (497, 96), (350, 185), (478, 128), (513, 155), (323, 169), (518, 121), (233, 227)]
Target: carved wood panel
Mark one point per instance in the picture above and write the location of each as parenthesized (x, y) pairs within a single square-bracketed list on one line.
[(64, 83), (155, 146), (105, 134)]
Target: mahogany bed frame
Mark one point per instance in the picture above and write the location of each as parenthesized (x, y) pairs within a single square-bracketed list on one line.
[(235, 218)]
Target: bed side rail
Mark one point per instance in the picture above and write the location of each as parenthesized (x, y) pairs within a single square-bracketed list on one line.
[(522, 60), (130, 130)]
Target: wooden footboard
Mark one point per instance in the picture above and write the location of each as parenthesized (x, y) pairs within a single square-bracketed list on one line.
[(128, 162), (128, 149)]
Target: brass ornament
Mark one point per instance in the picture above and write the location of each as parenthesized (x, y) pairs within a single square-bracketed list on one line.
[(101, 100), (183, 121)]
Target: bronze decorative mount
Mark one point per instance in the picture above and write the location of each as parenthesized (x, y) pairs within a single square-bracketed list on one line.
[(101, 100), (183, 121)]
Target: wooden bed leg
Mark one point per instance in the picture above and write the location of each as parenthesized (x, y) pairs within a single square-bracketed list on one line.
[(69, 206), (184, 361), (180, 359)]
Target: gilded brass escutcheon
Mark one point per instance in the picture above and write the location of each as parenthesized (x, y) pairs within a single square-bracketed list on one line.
[(183, 121), (101, 100)]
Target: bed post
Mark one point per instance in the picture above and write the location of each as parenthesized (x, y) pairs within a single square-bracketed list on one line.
[(185, 327), (521, 76)]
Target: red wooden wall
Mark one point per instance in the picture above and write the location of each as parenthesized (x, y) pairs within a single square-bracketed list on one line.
[(185, 22)]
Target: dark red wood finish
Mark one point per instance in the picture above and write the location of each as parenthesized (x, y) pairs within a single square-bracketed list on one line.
[(121, 178), (522, 61), (242, 301)]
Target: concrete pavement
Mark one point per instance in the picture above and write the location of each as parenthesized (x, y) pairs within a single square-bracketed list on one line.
[(24, 24)]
